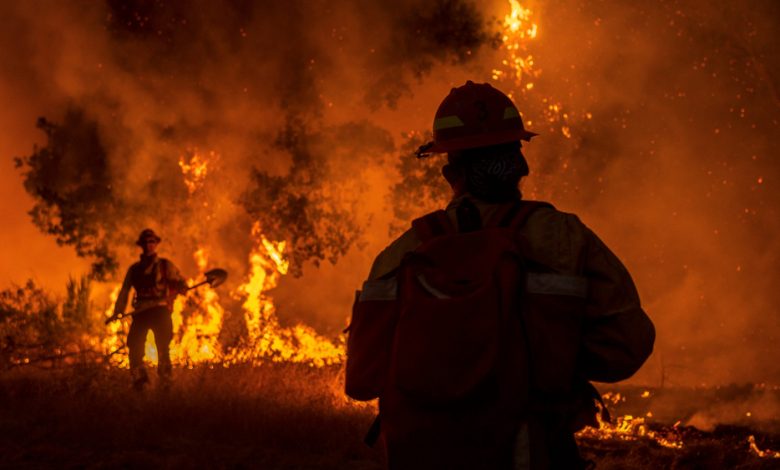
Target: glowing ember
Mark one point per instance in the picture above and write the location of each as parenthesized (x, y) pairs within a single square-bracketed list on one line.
[(519, 68), (518, 29), (761, 453), (630, 428), (613, 397)]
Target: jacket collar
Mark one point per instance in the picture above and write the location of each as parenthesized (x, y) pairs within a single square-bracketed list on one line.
[(148, 259)]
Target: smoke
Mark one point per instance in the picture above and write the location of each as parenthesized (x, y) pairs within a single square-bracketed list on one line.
[(656, 123), (657, 128), (279, 101), (675, 169), (69, 181), (148, 82)]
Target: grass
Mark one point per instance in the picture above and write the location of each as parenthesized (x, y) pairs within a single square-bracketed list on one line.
[(284, 416), (280, 416)]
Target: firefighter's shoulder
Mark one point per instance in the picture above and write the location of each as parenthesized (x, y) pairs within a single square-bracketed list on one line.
[(133, 267), (556, 239), (390, 258), (171, 269)]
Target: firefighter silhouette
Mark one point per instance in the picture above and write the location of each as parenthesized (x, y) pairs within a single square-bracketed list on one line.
[(156, 282), (481, 326)]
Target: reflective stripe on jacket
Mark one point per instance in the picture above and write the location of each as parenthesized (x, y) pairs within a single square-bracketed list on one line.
[(618, 336)]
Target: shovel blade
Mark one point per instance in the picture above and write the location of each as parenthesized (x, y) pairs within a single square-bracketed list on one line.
[(215, 277)]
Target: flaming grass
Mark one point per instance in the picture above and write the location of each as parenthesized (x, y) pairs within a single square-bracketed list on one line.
[(197, 331)]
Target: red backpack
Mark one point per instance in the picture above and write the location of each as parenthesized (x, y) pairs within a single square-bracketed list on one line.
[(464, 341), (458, 308), (435, 330)]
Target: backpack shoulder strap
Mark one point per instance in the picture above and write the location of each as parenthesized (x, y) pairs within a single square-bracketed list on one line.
[(132, 274), (504, 215), (163, 263), (519, 214), (433, 225)]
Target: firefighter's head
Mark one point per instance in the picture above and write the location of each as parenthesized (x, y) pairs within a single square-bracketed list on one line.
[(148, 241), (489, 173), (481, 131)]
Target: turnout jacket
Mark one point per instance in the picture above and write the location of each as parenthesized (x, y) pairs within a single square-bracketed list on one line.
[(618, 336)]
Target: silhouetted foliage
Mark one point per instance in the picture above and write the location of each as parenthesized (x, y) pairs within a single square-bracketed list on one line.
[(421, 189), (423, 35), (440, 30), (69, 180), (313, 206), (69, 177)]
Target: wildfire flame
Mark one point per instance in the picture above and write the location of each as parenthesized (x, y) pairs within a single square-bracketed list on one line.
[(195, 169), (267, 339), (631, 428), (113, 343), (198, 316), (198, 336), (519, 29)]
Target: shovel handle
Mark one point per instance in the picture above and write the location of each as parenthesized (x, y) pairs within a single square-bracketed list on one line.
[(112, 318), (198, 285)]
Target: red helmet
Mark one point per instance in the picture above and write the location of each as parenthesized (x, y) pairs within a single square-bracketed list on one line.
[(475, 115)]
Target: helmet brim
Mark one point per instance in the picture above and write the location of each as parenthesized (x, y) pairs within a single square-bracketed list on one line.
[(140, 241), (474, 141)]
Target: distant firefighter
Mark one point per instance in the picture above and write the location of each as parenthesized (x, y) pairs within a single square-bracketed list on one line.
[(480, 328), (156, 282)]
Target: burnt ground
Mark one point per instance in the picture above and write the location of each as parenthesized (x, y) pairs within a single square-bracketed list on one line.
[(294, 417)]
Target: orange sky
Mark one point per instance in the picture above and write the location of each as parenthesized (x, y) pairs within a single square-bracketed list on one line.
[(25, 252)]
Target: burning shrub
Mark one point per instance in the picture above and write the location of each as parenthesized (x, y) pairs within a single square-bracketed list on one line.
[(29, 324), (35, 327)]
